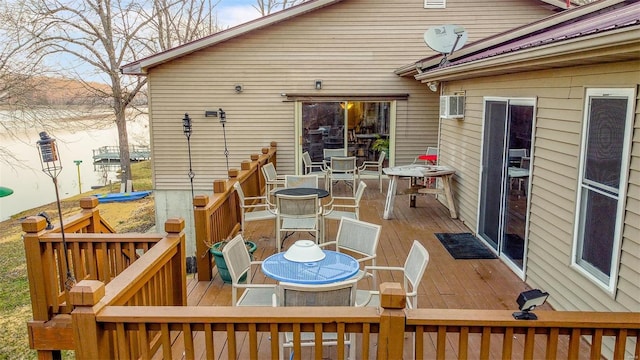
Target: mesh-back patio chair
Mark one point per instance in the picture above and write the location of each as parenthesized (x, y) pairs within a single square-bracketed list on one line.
[(317, 168), (413, 270), (253, 208), (359, 239), (297, 213), (238, 261), (336, 294), (301, 181), (373, 168), (343, 206), (272, 180), (343, 169)]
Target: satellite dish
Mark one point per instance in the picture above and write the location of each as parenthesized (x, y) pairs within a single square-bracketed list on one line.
[(445, 39)]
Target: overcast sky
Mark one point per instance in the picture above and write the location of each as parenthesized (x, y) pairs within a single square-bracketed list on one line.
[(235, 12)]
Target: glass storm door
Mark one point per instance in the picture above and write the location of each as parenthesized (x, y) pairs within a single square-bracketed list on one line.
[(504, 178)]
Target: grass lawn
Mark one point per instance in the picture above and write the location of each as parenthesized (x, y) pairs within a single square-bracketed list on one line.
[(15, 303)]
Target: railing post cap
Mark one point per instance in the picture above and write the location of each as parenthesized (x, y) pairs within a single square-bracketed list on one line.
[(274, 144), (34, 224), (89, 202), (200, 200), (233, 173), (392, 296), (86, 293), (174, 225), (245, 165), (265, 150), (255, 157), (219, 186)]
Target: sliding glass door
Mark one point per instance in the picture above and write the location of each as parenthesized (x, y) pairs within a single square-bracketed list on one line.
[(504, 187), (353, 126)]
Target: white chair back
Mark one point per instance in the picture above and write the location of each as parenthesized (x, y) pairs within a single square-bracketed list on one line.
[(301, 181), (328, 153), (358, 236), (335, 294), (414, 267)]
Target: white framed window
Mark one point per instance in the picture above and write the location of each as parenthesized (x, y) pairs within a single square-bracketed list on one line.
[(602, 183), (435, 4)]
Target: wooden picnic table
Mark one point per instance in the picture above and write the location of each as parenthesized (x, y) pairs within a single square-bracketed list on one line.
[(415, 171)]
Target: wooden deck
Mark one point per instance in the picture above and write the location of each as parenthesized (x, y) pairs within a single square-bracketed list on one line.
[(447, 283)]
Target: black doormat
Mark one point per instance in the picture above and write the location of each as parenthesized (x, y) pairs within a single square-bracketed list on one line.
[(464, 246)]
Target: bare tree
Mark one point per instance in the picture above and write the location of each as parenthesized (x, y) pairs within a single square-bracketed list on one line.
[(92, 39), (266, 7)]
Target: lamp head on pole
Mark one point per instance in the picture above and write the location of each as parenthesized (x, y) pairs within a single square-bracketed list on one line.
[(223, 116), (49, 158), (186, 125)]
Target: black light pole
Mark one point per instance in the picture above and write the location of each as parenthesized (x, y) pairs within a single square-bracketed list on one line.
[(52, 166), (186, 129), (223, 120)]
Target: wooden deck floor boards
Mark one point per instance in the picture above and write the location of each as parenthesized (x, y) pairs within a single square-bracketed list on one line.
[(447, 283)]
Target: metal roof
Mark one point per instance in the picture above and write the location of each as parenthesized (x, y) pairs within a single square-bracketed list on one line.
[(598, 22)]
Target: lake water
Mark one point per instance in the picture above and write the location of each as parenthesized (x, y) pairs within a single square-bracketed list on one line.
[(34, 188)]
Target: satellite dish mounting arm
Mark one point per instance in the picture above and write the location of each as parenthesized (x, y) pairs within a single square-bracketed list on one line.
[(459, 31)]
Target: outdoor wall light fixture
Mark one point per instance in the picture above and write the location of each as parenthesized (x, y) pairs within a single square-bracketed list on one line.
[(238, 88), (527, 301), (186, 129), (318, 84), (52, 166), (433, 85)]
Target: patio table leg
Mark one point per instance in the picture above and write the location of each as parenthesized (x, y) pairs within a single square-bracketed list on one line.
[(391, 193)]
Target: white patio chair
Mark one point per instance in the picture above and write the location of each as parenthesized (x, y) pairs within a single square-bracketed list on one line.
[(430, 151), (253, 208), (317, 168), (343, 169), (301, 181), (373, 168), (297, 213), (238, 261), (361, 239), (272, 180), (343, 206), (413, 270), (337, 294), (329, 153)]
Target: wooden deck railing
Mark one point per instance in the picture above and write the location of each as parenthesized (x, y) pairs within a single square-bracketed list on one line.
[(218, 217), (94, 252), (251, 332)]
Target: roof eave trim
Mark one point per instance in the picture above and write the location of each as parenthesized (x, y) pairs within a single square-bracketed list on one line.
[(539, 55), (144, 64)]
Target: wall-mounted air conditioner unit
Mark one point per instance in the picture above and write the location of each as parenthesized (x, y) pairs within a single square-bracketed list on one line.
[(452, 106)]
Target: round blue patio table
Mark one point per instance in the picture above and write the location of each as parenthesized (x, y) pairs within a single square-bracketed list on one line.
[(333, 268)]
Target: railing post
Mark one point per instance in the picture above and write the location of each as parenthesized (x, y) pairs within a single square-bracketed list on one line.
[(33, 227), (89, 205), (90, 340), (392, 321), (203, 234), (175, 228)]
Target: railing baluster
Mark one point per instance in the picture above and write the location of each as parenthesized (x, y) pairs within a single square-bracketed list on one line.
[(317, 328), (529, 342), (552, 343), (166, 340), (231, 341), (208, 342), (596, 344), (442, 342), (485, 343), (463, 342), (507, 343), (187, 335), (574, 343), (621, 342)]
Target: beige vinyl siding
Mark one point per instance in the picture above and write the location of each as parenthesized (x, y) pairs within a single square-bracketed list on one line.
[(554, 177), (352, 46)]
